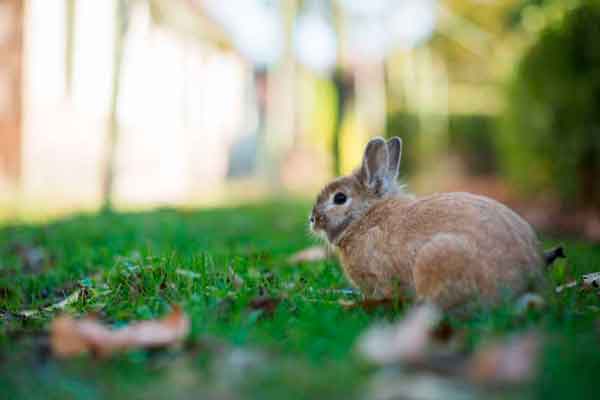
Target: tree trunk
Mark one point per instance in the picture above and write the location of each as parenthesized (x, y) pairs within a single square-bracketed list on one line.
[(11, 58), (70, 14), (121, 14), (344, 87)]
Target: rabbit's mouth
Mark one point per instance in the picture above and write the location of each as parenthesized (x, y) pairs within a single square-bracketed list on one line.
[(321, 234), (335, 234), (317, 221), (321, 227), (317, 224)]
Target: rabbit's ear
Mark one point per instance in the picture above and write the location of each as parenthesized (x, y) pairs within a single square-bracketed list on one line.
[(394, 146), (375, 163)]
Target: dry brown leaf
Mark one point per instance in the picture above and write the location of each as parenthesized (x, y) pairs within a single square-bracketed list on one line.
[(72, 298), (443, 332), (70, 337), (310, 254), (405, 341), (566, 286), (510, 362), (265, 303)]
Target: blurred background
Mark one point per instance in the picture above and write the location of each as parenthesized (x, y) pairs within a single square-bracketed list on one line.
[(139, 103)]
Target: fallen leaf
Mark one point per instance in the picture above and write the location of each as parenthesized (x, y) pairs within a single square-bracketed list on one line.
[(70, 337), (405, 341), (591, 280), (187, 273), (567, 285), (509, 362), (588, 281), (529, 301), (265, 303), (443, 332), (72, 298), (311, 254)]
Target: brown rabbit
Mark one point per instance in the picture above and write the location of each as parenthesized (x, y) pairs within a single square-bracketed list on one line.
[(448, 248)]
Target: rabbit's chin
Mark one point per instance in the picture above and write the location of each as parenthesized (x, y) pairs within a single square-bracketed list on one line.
[(320, 234)]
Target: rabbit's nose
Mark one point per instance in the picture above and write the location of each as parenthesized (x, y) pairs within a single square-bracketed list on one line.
[(317, 219), (313, 216)]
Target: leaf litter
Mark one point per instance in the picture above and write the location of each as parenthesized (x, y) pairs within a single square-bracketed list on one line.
[(80, 290), (70, 337), (61, 305), (310, 254), (420, 344), (405, 341), (512, 361), (265, 303), (587, 281)]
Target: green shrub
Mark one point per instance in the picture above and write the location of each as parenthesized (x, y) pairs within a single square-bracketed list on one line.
[(471, 137), (551, 135), (405, 125)]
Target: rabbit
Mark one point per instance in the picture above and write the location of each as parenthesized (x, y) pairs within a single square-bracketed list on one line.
[(449, 249)]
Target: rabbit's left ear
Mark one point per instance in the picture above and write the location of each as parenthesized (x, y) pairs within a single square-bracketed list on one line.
[(394, 146), (374, 170)]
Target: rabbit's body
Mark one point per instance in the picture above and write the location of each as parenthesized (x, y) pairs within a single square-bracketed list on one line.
[(446, 248)]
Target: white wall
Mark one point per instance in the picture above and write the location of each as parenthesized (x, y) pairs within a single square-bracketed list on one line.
[(181, 107)]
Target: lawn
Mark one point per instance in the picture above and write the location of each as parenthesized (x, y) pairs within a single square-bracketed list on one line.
[(261, 327)]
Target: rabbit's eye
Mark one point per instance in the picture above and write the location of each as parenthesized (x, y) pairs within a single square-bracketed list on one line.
[(339, 198)]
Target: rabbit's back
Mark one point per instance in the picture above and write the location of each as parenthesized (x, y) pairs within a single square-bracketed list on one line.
[(491, 226), (444, 243)]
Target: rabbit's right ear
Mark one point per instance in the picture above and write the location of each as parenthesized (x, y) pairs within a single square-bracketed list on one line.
[(375, 165)]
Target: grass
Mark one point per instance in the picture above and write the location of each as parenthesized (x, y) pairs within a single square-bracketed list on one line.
[(126, 265)]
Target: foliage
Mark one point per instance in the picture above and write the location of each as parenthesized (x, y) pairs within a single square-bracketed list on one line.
[(534, 14), (552, 129), (405, 125), (471, 137)]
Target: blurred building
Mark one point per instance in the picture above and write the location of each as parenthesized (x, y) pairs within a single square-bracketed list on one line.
[(11, 54), (180, 107)]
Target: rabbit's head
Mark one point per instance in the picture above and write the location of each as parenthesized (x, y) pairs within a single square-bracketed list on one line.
[(348, 198)]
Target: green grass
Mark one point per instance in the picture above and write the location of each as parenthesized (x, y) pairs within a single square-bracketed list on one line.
[(127, 266)]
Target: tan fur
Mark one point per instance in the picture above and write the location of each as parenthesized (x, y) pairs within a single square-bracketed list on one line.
[(448, 248)]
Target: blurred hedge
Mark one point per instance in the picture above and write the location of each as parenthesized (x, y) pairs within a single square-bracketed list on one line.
[(471, 137), (551, 132), (405, 125)]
